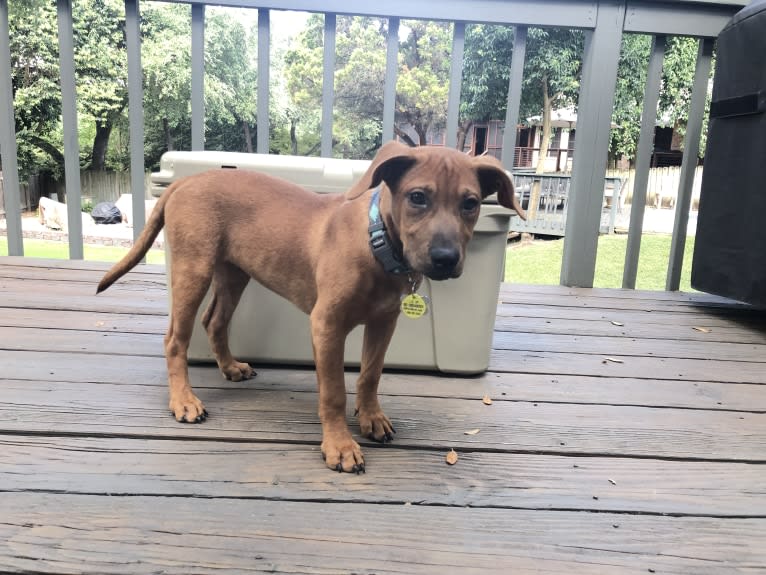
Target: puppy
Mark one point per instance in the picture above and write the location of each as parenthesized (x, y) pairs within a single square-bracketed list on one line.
[(344, 259)]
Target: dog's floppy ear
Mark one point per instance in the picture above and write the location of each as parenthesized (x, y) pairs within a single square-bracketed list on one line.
[(493, 179), (391, 161)]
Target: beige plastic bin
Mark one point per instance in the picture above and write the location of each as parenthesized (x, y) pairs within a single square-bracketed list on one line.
[(454, 337)]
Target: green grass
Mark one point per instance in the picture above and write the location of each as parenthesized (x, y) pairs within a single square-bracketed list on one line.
[(60, 251), (539, 262)]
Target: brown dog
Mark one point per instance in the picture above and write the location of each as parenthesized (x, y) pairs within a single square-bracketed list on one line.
[(317, 251)]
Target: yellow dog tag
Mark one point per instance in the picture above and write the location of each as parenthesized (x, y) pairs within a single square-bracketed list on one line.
[(414, 306)]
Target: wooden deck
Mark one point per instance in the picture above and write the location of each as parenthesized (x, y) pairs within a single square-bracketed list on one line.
[(621, 439)]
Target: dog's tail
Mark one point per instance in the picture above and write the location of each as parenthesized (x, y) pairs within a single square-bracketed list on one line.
[(142, 245)]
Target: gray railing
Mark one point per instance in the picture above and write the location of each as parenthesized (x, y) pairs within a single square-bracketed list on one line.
[(604, 23)]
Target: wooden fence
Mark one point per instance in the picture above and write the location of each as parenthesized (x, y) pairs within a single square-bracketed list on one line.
[(662, 188), (95, 187)]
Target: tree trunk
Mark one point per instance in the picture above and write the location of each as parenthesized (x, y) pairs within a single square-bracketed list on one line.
[(169, 144), (422, 136), (293, 138), (462, 133), (248, 137), (100, 146), (545, 142)]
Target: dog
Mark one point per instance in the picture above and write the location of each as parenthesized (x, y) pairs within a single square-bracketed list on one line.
[(344, 259)]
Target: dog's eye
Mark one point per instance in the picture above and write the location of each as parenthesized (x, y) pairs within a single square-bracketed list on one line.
[(470, 204), (418, 198)]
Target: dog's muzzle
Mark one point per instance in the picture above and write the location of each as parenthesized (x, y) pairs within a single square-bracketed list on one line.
[(445, 262)]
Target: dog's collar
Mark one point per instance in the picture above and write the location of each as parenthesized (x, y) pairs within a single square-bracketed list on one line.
[(380, 242)]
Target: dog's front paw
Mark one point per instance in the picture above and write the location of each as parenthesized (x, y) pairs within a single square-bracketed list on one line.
[(187, 408), (237, 371), (342, 453), (375, 425)]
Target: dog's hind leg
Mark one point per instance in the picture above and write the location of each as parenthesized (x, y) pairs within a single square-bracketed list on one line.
[(189, 282), (228, 284), (373, 423)]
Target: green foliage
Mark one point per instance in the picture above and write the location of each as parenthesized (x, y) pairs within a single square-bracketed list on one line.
[(629, 95)]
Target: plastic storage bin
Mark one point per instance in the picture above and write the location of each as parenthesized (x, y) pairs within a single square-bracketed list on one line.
[(455, 336)]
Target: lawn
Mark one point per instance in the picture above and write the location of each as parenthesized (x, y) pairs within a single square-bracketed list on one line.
[(60, 251), (540, 262)]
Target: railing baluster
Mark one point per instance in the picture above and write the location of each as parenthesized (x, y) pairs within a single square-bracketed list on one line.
[(689, 163), (11, 189), (135, 115), (456, 78), (328, 84), (389, 91), (262, 142), (198, 76), (514, 95), (69, 119), (596, 100), (643, 160)]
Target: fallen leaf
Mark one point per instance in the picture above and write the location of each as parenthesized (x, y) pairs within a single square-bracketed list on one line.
[(702, 329), (451, 458), (486, 400), (617, 323), (472, 432), (612, 481), (613, 360)]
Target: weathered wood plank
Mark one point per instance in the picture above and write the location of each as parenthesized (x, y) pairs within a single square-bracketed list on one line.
[(436, 423), (295, 472), (74, 265), (631, 346), (511, 290), (45, 366), (94, 534), (721, 330), (544, 362), (105, 341), (86, 276), (72, 296), (75, 320)]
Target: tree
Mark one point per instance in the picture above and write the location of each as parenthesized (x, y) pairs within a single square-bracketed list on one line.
[(486, 72), (101, 68), (551, 77), (422, 87)]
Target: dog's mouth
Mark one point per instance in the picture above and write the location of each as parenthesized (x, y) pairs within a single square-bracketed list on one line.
[(440, 274)]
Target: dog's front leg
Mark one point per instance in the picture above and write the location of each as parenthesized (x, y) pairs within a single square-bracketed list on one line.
[(339, 449), (372, 421)]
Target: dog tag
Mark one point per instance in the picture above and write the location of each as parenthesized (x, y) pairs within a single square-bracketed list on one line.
[(414, 306)]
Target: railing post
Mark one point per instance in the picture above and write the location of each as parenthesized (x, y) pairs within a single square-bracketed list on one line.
[(11, 190), (135, 116), (389, 91), (689, 163), (596, 100), (198, 77), (328, 84), (69, 119), (643, 159), (456, 78), (514, 95), (264, 27)]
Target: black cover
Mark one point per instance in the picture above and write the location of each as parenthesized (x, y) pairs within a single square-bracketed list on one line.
[(106, 213), (730, 248)]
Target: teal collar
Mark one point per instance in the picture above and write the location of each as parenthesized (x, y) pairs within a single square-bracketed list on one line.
[(380, 242)]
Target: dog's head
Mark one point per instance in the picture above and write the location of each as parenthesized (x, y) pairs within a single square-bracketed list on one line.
[(436, 196)]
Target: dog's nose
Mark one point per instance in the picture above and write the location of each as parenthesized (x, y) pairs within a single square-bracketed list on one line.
[(444, 259)]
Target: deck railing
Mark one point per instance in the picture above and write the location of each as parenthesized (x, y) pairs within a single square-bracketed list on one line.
[(603, 21)]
